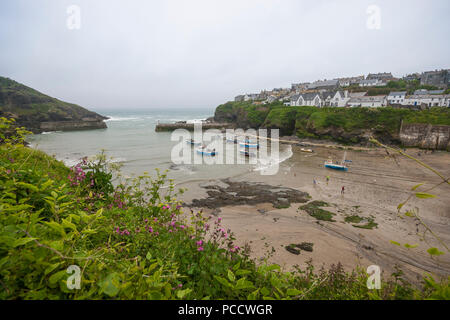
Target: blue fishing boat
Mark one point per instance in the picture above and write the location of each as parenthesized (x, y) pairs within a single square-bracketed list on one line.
[(329, 164), (337, 166), (207, 152), (247, 144)]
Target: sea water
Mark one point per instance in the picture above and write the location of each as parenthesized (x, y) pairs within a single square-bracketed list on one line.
[(131, 140)]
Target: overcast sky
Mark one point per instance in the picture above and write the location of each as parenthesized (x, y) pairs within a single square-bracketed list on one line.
[(200, 53)]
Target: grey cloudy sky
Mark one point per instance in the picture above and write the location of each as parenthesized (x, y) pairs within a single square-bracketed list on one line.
[(200, 53)]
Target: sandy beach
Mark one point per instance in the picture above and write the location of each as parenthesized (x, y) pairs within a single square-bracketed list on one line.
[(375, 185)]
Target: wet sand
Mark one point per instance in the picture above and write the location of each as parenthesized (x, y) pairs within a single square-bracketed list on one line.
[(374, 186)]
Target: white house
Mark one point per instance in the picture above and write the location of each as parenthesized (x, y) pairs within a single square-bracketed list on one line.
[(312, 99), (340, 99), (368, 101), (271, 99), (326, 97), (396, 97), (306, 99), (429, 100)]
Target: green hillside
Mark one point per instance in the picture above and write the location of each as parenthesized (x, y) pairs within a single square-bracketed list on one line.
[(30, 107)]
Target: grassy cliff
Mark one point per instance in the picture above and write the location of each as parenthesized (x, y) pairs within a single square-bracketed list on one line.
[(31, 108), (345, 125)]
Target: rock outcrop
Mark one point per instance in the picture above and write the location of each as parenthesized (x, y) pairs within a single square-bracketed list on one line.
[(425, 136)]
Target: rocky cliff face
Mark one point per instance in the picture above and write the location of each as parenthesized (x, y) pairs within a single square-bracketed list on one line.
[(348, 126), (39, 112), (425, 136)]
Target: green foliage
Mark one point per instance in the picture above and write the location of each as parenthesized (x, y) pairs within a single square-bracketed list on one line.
[(353, 219), (314, 209), (369, 225)]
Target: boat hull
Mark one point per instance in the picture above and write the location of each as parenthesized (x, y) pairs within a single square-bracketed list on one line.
[(336, 167), (206, 153)]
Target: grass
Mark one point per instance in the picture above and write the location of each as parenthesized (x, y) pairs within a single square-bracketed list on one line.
[(353, 219), (314, 210), (371, 224)]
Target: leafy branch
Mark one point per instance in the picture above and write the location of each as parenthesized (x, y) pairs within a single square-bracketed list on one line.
[(423, 195)]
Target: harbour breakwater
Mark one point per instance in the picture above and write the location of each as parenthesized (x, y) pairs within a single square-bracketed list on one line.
[(71, 125), (161, 127)]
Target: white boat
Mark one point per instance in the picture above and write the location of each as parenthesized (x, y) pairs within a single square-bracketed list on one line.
[(306, 150)]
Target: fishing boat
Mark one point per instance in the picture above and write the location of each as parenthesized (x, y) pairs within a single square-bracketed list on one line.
[(192, 142), (207, 152), (329, 164), (337, 166), (248, 144), (306, 150)]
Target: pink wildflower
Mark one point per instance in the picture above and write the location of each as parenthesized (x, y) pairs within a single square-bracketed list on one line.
[(200, 249)]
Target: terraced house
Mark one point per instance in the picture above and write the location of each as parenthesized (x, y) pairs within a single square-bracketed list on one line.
[(368, 101), (396, 97), (428, 100)]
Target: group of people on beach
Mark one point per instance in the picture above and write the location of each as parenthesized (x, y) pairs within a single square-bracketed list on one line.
[(328, 180)]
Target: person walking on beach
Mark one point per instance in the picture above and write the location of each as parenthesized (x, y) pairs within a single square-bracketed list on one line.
[(328, 179), (342, 190), (314, 181)]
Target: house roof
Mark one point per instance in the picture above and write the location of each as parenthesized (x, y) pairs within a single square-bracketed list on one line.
[(310, 96), (357, 94), (428, 96), (367, 99), (325, 83), (326, 94)]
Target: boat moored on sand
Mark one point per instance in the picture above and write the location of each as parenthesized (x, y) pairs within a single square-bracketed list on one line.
[(336, 166)]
